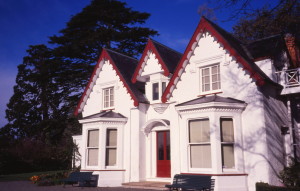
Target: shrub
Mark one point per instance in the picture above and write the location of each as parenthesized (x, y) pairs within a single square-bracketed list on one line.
[(50, 178), (290, 176), (260, 186)]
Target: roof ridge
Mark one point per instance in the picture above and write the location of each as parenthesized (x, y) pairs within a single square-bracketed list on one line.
[(121, 54), (265, 38), (165, 46)]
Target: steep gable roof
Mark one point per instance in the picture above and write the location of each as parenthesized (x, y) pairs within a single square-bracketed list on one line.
[(266, 47), (167, 57), (234, 47), (124, 67)]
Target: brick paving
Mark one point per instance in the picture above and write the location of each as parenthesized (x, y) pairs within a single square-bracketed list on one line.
[(28, 186)]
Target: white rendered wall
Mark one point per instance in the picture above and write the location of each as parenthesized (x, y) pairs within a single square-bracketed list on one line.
[(151, 66), (268, 68), (235, 83), (127, 163)]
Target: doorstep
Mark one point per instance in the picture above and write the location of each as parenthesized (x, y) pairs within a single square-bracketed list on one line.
[(147, 185)]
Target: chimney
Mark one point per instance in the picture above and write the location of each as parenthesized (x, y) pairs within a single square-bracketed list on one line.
[(293, 50)]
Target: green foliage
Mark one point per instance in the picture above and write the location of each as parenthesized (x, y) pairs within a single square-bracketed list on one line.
[(260, 186), (27, 176), (290, 175)]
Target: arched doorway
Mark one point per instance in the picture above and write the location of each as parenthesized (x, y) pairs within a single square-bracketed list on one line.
[(158, 133)]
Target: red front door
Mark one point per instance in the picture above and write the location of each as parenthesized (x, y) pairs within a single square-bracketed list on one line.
[(163, 154)]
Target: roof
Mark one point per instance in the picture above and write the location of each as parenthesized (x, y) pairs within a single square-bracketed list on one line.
[(235, 48), (213, 98), (266, 47), (105, 114), (124, 67), (167, 57)]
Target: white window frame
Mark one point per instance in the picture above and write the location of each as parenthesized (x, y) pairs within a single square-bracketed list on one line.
[(88, 148), (111, 147), (210, 91), (202, 143), (228, 143), (160, 90), (110, 106)]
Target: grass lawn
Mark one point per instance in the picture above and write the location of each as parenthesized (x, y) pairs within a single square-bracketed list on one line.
[(24, 176)]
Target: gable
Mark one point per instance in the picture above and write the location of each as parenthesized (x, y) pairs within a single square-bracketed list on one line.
[(152, 65), (228, 43), (110, 65), (156, 58)]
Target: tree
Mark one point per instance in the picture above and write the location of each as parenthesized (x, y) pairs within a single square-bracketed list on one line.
[(264, 22), (50, 81), (102, 24), (271, 18)]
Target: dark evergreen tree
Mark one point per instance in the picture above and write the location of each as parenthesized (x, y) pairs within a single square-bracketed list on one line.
[(102, 24), (50, 81)]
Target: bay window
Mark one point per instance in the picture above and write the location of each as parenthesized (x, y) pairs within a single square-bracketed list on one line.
[(111, 147), (227, 142), (199, 143), (93, 147)]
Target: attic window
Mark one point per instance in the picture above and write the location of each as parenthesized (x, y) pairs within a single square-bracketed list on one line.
[(108, 98), (210, 79)]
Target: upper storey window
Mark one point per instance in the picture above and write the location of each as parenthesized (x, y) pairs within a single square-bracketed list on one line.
[(108, 98), (210, 78), (157, 90)]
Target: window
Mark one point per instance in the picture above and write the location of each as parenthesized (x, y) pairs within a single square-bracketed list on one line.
[(163, 87), (227, 143), (111, 147), (108, 97), (93, 147), (199, 142), (210, 78), (155, 91)]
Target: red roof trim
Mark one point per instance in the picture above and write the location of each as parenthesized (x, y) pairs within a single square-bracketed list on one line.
[(105, 55), (203, 26), (149, 47)]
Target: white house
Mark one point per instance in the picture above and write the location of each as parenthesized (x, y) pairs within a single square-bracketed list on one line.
[(221, 108)]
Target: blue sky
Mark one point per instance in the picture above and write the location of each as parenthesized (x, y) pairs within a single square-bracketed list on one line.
[(31, 22)]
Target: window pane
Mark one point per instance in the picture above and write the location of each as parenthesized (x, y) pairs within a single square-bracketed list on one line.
[(160, 146), (92, 157), (199, 131), (111, 157), (227, 156), (93, 138), (205, 72), (227, 133), (168, 145), (163, 86), (215, 69), (200, 156), (155, 91), (111, 137)]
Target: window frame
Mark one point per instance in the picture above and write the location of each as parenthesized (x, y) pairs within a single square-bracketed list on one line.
[(110, 100), (162, 85), (231, 143), (111, 147), (211, 82), (90, 148), (198, 143)]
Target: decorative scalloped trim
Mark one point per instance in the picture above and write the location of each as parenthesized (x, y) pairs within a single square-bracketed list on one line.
[(149, 48), (205, 26), (103, 57)]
